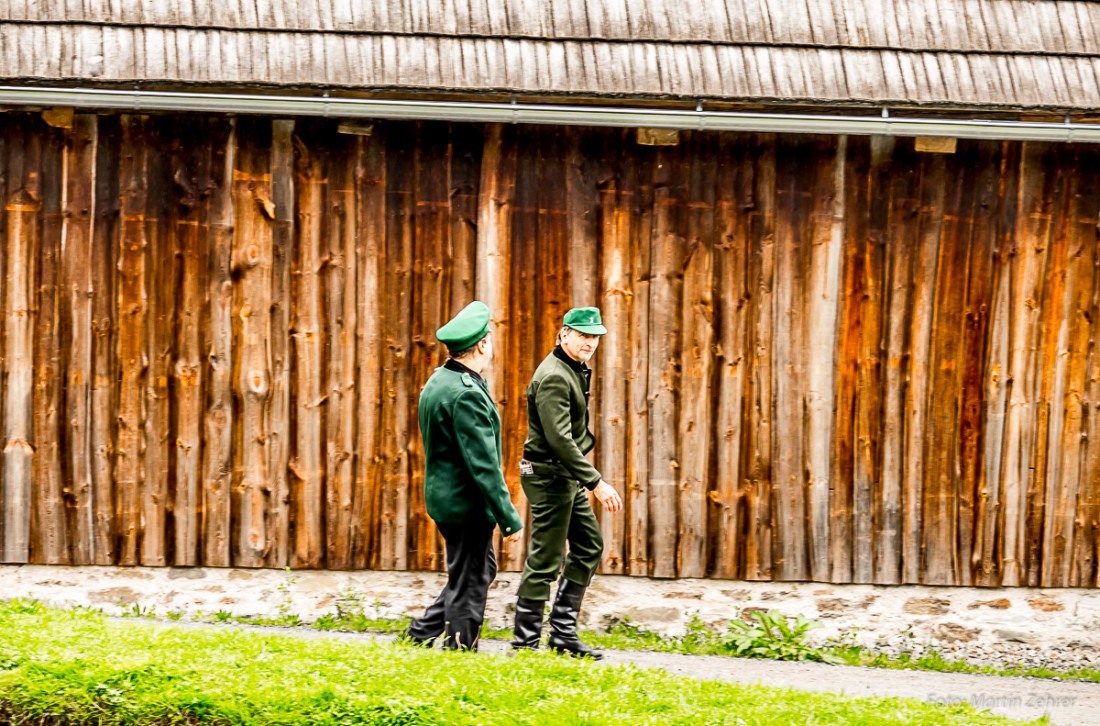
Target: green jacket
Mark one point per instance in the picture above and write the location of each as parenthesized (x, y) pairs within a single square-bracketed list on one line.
[(460, 426), (557, 417)]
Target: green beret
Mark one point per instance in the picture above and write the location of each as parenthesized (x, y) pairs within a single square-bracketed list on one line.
[(465, 329), (585, 320)]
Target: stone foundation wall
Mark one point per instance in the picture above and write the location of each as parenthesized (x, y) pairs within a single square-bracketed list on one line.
[(1042, 619)]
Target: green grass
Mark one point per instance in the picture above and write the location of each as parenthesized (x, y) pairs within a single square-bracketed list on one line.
[(80, 667), (700, 640)]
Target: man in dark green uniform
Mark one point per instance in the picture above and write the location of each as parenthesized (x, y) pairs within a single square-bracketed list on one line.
[(556, 477), (464, 487)]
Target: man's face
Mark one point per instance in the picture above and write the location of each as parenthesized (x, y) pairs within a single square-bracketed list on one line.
[(487, 350), (580, 346)]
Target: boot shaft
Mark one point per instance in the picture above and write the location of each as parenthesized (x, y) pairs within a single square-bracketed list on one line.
[(528, 626)]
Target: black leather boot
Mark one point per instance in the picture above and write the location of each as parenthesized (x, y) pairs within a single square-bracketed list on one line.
[(528, 628), (563, 622)]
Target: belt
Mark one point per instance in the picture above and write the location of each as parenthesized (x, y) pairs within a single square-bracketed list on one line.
[(540, 459)]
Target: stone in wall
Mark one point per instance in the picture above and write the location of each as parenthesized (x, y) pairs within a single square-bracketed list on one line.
[(927, 606)]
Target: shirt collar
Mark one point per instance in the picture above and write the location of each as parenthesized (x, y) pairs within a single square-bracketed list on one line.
[(574, 364), (453, 365)]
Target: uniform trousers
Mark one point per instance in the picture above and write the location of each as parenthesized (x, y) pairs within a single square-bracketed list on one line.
[(459, 611), (560, 514)]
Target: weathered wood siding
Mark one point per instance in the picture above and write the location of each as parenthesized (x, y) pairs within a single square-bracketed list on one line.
[(831, 358), (1009, 54)]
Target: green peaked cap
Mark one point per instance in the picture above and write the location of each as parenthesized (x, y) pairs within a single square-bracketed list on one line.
[(585, 320), (465, 329)]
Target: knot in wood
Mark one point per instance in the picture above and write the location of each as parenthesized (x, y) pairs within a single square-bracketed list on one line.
[(257, 382)]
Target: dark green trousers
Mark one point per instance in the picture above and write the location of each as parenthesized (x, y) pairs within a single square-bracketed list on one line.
[(560, 514)]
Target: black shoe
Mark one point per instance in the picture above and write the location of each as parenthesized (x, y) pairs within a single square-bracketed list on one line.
[(563, 622), (528, 627)]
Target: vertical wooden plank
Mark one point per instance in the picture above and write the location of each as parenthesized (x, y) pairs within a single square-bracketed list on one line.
[(50, 538), (986, 557), (667, 260), (1064, 483), (867, 473), (982, 246), (254, 212), (78, 287), (636, 497), (339, 300), (370, 257), (697, 359), (52, 493), (933, 187), (431, 303), (103, 395), (282, 255), (758, 450), (133, 305), (794, 188), (496, 195), (1057, 290), (217, 455), (902, 242), (466, 147), (734, 201), (397, 426), (1029, 255), (22, 233), (552, 253), (939, 524), (523, 300), (10, 130), (159, 270), (823, 299), (426, 290), (842, 507), (1085, 571), (616, 217), (307, 489), (582, 213), (193, 173)]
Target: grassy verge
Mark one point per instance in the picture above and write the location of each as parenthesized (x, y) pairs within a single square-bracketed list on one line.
[(352, 609), (701, 640), (79, 667)]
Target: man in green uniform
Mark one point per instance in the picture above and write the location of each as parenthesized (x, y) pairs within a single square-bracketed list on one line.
[(464, 487), (556, 477)]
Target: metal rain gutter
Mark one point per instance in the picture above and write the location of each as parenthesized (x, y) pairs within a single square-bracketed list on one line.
[(568, 115)]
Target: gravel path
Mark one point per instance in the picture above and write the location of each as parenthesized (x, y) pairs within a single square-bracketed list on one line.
[(1067, 703)]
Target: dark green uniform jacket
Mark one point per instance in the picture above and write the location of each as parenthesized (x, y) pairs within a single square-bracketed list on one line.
[(557, 417), (460, 426)]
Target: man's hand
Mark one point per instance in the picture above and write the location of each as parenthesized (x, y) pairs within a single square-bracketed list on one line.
[(609, 498), (515, 536)]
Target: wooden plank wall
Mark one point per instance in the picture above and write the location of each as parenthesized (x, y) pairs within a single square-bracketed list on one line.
[(830, 358)]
